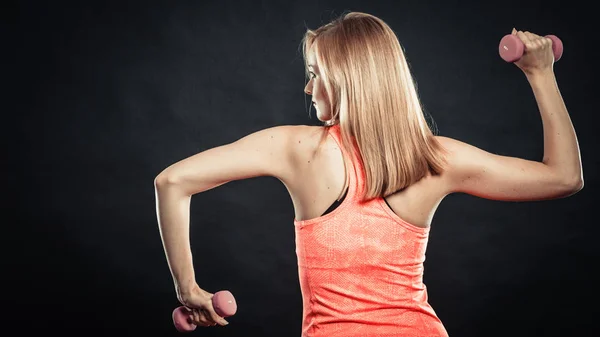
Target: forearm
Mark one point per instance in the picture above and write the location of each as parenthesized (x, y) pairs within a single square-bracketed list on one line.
[(561, 149), (173, 214)]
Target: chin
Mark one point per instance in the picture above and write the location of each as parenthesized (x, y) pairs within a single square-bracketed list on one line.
[(323, 118)]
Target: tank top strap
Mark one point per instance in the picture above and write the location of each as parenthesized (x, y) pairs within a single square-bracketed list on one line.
[(354, 181)]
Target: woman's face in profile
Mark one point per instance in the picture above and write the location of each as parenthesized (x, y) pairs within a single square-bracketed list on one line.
[(316, 88)]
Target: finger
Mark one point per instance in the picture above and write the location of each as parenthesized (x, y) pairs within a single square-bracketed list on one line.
[(514, 32), (207, 318), (215, 317), (523, 37), (535, 40), (530, 36), (195, 316), (199, 318), (529, 45)]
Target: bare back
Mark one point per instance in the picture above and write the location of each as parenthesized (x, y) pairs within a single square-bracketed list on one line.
[(320, 177)]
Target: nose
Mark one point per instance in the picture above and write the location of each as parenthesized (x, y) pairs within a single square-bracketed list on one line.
[(308, 89)]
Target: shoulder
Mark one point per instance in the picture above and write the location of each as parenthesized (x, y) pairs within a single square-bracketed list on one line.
[(287, 146), (275, 141), (280, 136), (452, 145), (290, 138), (302, 136), (272, 151), (463, 162), (291, 131), (459, 154)]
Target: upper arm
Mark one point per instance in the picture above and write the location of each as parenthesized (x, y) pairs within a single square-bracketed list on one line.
[(262, 153), (477, 172)]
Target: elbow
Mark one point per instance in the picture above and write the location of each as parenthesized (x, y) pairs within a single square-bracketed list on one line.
[(162, 180), (574, 185), (577, 185)]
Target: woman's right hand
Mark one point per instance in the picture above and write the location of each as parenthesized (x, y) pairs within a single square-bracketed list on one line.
[(200, 302)]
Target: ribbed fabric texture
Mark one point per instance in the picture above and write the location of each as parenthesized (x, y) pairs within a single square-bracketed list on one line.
[(361, 269)]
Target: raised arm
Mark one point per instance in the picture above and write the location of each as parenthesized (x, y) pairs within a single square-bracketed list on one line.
[(263, 153), (477, 172)]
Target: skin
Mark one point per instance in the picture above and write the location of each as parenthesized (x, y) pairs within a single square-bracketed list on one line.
[(271, 152), (316, 88)]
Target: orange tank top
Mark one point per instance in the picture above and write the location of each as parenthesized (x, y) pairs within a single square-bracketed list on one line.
[(361, 268)]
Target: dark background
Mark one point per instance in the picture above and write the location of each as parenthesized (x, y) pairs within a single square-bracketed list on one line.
[(101, 96)]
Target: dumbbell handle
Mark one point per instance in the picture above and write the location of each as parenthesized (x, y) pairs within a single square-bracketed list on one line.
[(511, 48), (223, 303)]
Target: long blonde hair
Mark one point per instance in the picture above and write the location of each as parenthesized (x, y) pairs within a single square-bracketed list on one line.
[(374, 100)]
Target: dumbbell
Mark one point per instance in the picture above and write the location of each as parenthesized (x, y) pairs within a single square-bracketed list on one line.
[(511, 48), (223, 302)]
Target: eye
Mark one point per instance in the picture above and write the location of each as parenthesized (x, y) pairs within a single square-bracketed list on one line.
[(313, 75)]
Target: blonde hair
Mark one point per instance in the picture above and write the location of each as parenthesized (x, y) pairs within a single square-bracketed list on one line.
[(374, 99)]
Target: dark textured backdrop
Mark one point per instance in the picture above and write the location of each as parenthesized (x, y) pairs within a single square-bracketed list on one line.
[(102, 96)]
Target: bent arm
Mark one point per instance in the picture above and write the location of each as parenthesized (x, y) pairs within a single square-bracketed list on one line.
[(173, 213), (561, 149), (483, 174), (263, 153), (474, 171)]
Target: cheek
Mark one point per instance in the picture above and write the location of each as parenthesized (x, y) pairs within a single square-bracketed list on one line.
[(320, 93)]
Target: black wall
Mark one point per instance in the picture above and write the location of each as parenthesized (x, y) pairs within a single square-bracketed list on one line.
[(100, 97)]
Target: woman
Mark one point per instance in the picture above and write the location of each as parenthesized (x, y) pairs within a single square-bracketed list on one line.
[(366, 184)]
